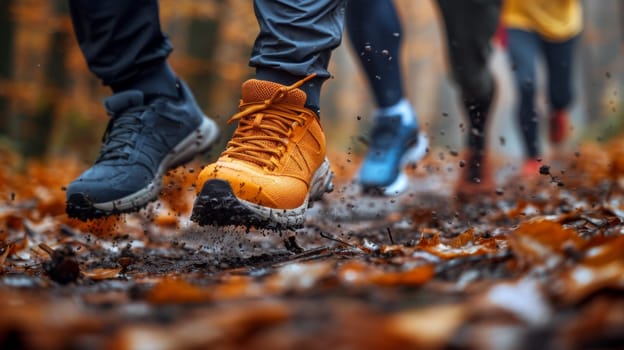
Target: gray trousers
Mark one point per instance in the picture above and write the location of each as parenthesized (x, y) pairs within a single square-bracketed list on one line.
[(296, 39)]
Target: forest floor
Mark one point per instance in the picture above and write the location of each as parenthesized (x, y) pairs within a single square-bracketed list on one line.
[(537, 264)]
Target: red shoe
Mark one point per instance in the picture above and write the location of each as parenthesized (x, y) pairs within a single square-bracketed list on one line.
[(559, 127), (530, 168), (475, 176)]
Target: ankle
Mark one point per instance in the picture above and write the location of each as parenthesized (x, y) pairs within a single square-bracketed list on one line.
[(158, 80), (402, 108), (312, 88)]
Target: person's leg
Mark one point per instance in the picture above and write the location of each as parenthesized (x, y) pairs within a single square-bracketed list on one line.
[(296, 39), (155, 122), (470, 26), (524, 48), (123, 44), (375, 32), (559, 60), (275, 163)]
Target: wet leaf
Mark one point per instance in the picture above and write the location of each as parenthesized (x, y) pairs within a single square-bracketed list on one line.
[(428, 328), (542, 241), (171, 290), (102, 273)]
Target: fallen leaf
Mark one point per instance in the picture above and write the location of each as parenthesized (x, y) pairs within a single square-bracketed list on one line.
[(171, 290), (542, 241), (4, 255), (428, 328), (523, 299), (299, 276), (102, 273), (411, 277)]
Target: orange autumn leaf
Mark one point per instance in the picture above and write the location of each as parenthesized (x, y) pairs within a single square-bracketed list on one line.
[(358, 273), (542, 239), (18, 246), (610, 249), (3, 256), (461, 245), (102, 273), (601, 267), (170, 291), (353, 272), (298, 276), (430, 327), (584, 280), (234, 287), (434, 239), (13, 221), (412, 277), (463, 239)]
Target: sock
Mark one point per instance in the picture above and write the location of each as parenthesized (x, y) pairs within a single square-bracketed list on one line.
[(402, 108), (159, 80)]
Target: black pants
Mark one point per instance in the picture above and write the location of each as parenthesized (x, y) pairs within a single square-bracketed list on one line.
[(122, 39), (524, 50), (470, 26)]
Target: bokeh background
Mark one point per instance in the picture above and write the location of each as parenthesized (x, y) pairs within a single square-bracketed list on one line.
[(50, 104)]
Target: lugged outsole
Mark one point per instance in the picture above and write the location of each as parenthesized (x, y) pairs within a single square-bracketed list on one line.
[(217, 205), (412, 156), (80, 207)]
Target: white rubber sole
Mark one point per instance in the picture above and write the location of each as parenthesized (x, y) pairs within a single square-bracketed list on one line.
[(321, 183), (196, 142), (412, 156)]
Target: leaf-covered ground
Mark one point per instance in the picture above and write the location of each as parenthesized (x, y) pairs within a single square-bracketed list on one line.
[(538, 263)]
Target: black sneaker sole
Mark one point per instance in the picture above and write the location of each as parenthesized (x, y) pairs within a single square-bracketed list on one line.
[(81, 207), (217, 205)]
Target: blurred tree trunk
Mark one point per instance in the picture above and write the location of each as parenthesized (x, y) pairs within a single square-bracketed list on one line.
[(37, 128), (601, 57), (6, 62), (202, 36)]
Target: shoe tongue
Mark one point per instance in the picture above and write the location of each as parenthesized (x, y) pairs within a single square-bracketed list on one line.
[(255, 90), (259, 90), (123, 100)]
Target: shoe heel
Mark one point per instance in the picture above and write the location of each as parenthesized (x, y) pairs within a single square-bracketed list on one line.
[(321, 182), (199, 141), (416, 153)]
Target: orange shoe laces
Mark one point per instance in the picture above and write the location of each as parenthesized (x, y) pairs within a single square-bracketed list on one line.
[(264, 128)]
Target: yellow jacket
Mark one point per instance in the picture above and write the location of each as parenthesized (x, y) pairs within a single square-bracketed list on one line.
[(555, 20)]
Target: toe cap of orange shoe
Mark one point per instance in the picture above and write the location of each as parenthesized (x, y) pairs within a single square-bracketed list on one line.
[(256, 185)]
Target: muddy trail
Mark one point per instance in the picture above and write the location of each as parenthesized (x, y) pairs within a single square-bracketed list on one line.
[(537, 263)]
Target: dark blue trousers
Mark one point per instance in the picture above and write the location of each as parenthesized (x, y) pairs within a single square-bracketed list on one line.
[(524, 49)]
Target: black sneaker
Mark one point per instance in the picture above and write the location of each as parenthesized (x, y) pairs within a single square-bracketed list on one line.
[(143, 140)]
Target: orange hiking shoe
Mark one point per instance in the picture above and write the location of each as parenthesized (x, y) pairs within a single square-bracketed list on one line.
[(559, 127), (273, 166), (475, 176)]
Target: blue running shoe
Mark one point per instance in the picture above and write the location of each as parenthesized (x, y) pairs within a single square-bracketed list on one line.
[(144, 139), (393, 144)]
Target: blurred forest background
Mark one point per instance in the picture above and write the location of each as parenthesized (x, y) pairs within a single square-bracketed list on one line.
[(50, 104)]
